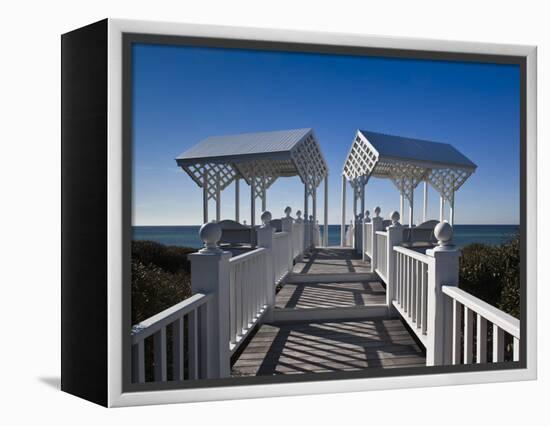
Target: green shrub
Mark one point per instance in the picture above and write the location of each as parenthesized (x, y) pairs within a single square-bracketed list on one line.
[(160, 278), (492, 274)]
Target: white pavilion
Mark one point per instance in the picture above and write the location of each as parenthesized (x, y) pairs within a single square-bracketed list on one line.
[(259, 159), (406, 162)]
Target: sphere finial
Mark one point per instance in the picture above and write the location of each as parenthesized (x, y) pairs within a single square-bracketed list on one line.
[(288, 210), (311, 218), (377, 211), (395, 217), (266, 218), (210, 233), (443, 231)]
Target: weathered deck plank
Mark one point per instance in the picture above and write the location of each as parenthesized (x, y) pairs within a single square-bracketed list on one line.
[(330, 295), (332, 261), (328, 346)]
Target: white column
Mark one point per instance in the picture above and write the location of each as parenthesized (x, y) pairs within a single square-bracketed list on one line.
[(314, 205), (452, 209), (237, 201), (354, 204), (252, 202), (204, 197), (210, 275), (218, 198), (401, 204), (362, 210), (442, 270), (264, 196), (325, 212), (376, 226), (425, 211), (395, 237), (343, 222), (265, 239), (411, 209), (441, 208)]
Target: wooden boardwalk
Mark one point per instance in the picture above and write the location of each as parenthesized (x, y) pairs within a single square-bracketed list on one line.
[(329, 345), (332, 260), (330, 295)]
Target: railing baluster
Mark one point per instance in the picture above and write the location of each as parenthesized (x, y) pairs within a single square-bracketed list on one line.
[(413, 293), (468, 335), (424, 285), (516, 349), (193, 345), (418, 285), (481, 340), (178, 333), (457, 328), (498, 344), (138, 362), (159, 343), (232, 306)]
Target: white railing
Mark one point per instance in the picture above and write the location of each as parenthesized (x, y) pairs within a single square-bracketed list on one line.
[(467, 310), (282, 255), (186, 321), (367, 236), (411, 289), (297, 239), (247, 293), (381, 264)]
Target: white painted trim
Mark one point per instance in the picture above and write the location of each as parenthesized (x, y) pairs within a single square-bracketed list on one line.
[(114, 215)]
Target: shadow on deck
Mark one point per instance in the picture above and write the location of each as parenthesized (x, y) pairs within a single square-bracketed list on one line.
[(329, 322), (328, 347), (332, 260)]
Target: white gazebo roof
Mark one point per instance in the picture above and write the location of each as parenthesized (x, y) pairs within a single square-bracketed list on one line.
[(406, 161), (259, 158)]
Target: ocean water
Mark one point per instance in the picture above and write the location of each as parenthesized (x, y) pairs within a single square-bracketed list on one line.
[(188, 236)]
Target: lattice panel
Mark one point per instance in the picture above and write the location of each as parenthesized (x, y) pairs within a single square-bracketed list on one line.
[(448, 181), (309, 162), (225, 173), (406, 177), (259, 174), (361, 160)]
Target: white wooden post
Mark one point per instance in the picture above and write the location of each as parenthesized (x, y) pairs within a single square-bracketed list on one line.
[(366, 220), (286, 226), (411, 209), (395, 237), (237, 199), (265, 239), (307, 233), (343, 222), (452, 209), (218, 198), (376, 226), (425, 210), (325, 212), (401, 204), (204, 196), (442, 270), (441, 208), (252, 200), (210, 275)]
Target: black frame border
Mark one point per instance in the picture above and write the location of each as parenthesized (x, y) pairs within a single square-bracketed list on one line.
[(128, 39)]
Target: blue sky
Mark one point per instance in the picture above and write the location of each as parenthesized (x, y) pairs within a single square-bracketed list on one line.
[(183, 94)]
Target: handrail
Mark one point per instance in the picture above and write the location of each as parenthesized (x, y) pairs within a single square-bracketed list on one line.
[(385, 233), (500, 318), (281, 234), (246, 256), (153, 324), (412, 253)]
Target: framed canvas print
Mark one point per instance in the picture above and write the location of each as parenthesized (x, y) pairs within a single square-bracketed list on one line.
[(251, 212)]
